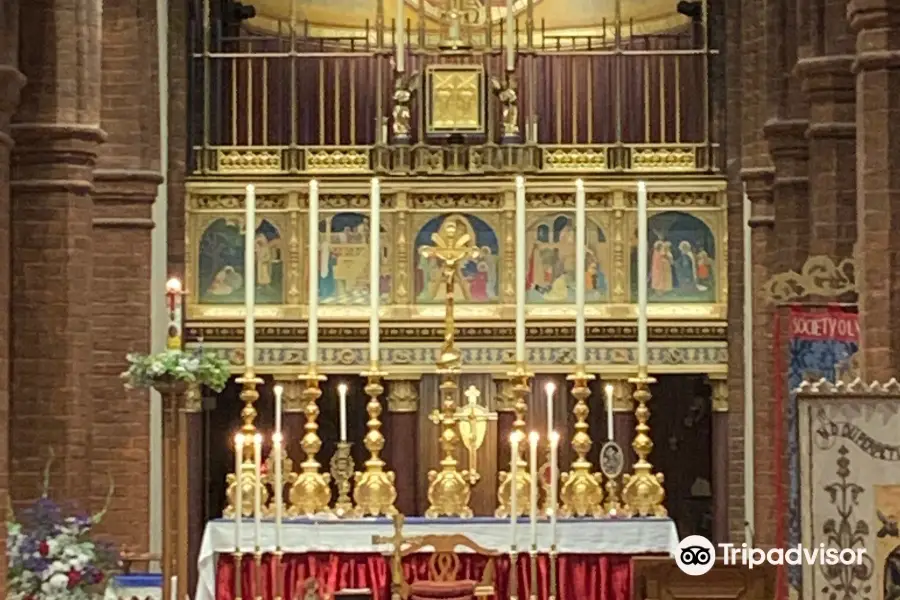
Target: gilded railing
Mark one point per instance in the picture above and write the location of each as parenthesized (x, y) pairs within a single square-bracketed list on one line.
[(287, 97)]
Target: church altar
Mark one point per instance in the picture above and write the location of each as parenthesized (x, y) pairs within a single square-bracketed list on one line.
[(594, 554)]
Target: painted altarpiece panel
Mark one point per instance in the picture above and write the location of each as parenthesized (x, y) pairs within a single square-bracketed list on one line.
[(683, 262), (550, 262), (480, 278), (850, 486), (344, 239)]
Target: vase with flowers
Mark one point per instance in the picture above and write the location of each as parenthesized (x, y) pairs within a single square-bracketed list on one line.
[(175, 368), (51, 553)]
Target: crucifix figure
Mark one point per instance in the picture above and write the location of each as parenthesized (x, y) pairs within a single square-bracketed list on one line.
[(455, 14), (453, 246)]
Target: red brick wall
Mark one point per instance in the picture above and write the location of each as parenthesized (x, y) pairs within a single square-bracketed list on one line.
[(177, 135)]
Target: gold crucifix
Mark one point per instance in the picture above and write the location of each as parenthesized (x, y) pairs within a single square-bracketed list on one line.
[(472, 419), (453, 246)]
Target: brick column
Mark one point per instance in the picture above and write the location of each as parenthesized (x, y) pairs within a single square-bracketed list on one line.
[(877, 24), (57, 136), (126, 181), (11, 82), (789, 149), (759, 184), (828, 82)]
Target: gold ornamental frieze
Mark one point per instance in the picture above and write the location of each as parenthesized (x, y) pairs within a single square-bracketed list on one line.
[(337, 160), (455, 201), (235, 202), (663, 159), (555, 200), (250, 161), (676, 200), (575, 159)]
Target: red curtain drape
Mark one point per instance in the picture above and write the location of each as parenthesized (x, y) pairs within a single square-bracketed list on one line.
[(580, 576)]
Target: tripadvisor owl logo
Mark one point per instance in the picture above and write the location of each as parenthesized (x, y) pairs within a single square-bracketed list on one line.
[(696, 555)]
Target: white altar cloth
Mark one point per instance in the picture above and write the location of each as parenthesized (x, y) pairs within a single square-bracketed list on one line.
[(300, 536)]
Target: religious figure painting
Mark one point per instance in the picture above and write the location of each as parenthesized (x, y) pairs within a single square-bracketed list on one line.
[(887, 505), (550, 266), (221, 262), (478, 278), (344, 260), (681, 261)]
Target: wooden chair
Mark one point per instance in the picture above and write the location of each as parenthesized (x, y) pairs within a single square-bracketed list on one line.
[(444, 564), (127, 561)]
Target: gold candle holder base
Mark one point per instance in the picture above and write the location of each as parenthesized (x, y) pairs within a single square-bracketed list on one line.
[(533, 572), (554, 585), (521, 389), (375, 492), (449, 490), (238, 576), (513, 573), (342, 473), (582, 492), (643, 491), (310, 493), (246, 480)]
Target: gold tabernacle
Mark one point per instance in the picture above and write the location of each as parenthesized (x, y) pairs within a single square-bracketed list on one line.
[(455, 98)]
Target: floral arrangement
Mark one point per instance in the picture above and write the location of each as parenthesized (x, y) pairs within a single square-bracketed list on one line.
[(148, 370), (51, 555)]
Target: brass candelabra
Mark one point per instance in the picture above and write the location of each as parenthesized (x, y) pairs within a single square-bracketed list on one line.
[(310, 493), (521, 389), (375, 492), (643, 491), (581, 493)]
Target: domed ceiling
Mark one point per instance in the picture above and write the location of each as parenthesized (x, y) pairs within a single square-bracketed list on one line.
[(558, 16)]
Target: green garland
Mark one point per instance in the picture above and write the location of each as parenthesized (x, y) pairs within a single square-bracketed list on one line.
[(147, 370)]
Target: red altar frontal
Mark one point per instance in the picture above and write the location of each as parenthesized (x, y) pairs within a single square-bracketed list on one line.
[(594, 556)]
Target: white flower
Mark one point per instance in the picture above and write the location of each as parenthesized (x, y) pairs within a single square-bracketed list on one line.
[(157, 368), (58, 581)]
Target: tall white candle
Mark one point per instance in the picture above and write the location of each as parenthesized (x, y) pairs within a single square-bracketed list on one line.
[(642, 251), (554, 483), (374, 269), (513, 490), (173, 587), (313, 325), (550, 388), (342, 395), (400, 37), (534, 438), (580, 225), (277, 449), (238, 490), (609, 413), (520, 269), (279, 393), (249, 276), (257, 492), (510, 36)]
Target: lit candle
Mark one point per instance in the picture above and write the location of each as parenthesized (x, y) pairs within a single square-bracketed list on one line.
[(175, 302), (534, 438), (257, 491), (642, 251), (520, 270), (173, 587), (342, 394), (249, 276), (400, 37), (550, 388), (609, 412), (238, 490), (279, 392), (554, 483), (279, 486), (579, 272), (510, 36), (313, 324), (513, 495), (374, 269)]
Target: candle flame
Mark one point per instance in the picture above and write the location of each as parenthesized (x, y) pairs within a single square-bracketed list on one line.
[(277, 438), (515, 437), (342, 389), (533, 437), (257, 439), (609, 390), (278, 391), (173, 286), (550, 388), (554, 438), (239, 440)]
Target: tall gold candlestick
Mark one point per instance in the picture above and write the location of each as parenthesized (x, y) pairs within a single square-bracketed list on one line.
[(582, 494), (310, 493), (375, 492), (521, 379), (246, 479), (449, 490), (643, 491)]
